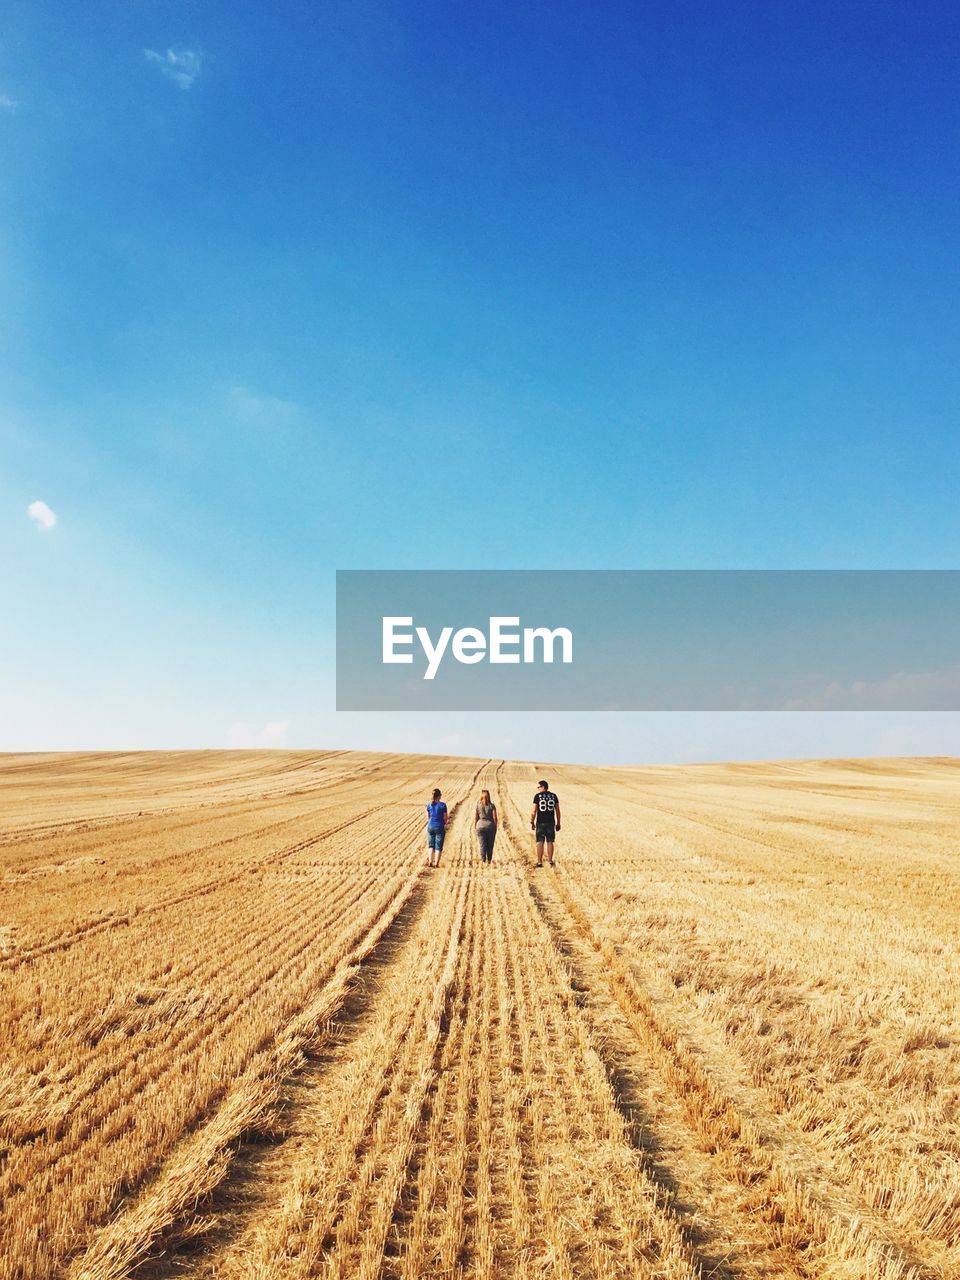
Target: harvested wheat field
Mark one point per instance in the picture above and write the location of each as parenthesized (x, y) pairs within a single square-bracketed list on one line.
[(246, 1032)]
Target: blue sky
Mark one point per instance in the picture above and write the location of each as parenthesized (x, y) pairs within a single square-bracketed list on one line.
[(296, 287)]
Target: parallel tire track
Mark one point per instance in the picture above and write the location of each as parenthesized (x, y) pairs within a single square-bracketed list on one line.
[(203, 1160), (795, 1216)]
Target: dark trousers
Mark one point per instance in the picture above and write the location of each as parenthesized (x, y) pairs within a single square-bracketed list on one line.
[(486, 836)]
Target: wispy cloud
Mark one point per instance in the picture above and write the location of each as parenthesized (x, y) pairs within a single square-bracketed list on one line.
[(7, 103), (934, 690), (253, 407), (41, 515), (182, 66), (273, 734)]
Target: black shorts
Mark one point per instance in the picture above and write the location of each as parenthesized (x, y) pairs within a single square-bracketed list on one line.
[(546, 835)]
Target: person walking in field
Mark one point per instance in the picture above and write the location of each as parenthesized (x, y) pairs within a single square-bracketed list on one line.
[(487, 821), (545, 820), (437, 820)]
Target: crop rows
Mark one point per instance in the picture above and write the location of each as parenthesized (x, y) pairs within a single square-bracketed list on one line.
[(835, 1103), (117, 1050), (468, 1126), (247, 1033)]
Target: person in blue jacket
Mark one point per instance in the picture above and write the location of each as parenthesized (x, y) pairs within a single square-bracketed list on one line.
[(437, 819)]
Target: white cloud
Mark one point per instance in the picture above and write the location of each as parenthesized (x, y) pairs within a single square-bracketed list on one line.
[(274, 734), (41, 515), (242, 736), (7, 103), (182, 66)]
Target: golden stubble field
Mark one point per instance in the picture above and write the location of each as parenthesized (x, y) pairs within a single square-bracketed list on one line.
[(247, 1033)]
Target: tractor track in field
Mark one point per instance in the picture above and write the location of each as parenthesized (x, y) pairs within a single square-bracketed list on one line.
[(205, 1240), (774, 1220), (440, 1169), (629, 1066), (817, 1209), (261, 1155), (254, 1160), (835, 1202), (651, 1128)]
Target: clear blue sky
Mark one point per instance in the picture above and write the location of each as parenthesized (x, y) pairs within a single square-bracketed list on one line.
[(300, 286)]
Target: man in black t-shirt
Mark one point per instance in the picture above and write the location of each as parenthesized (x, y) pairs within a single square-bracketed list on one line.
[(545, 820)]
